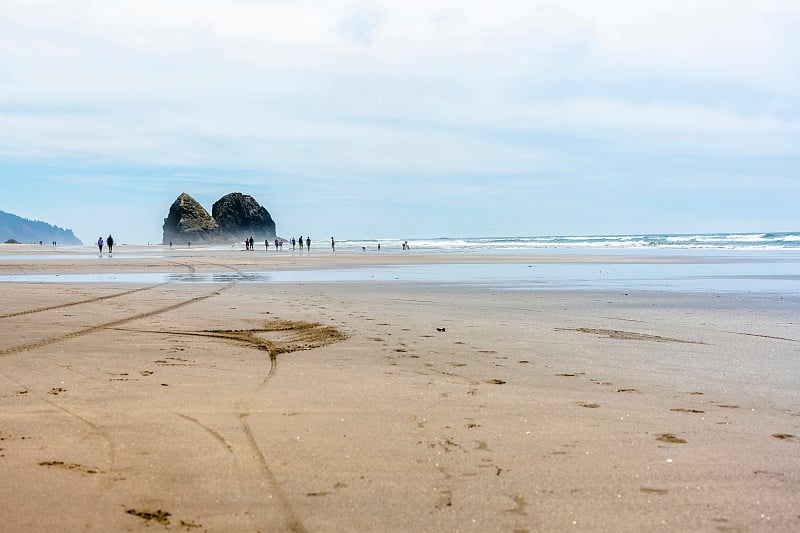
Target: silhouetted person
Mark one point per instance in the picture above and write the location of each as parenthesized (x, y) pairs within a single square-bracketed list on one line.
[(110, 243), (333, 245), (308, 243)]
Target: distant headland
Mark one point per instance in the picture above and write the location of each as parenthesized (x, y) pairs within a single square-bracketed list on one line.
[(233, 217), (14, 228)]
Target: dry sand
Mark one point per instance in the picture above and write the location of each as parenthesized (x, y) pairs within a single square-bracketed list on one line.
[(390, 406)]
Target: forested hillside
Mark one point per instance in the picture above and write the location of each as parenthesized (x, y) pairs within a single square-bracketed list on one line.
[(23, 230)]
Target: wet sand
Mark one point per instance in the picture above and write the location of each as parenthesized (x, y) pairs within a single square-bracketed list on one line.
[(391, 406)]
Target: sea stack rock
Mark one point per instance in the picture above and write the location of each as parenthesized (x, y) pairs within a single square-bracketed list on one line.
[(189, 221), (240, 216)]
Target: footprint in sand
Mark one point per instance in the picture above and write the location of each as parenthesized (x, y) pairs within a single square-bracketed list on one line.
[(648, 490), (162, 517), (71, 466), (520, 503), (670, 438)]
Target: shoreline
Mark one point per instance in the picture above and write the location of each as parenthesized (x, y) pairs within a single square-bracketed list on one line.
[(762, 274)]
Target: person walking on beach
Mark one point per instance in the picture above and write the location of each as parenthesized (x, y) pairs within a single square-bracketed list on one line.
[(293, 243), (110, 243), (308, 243), (333, 245), (100, 244), (301, 243)]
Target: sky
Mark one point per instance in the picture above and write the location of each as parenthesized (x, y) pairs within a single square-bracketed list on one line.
[(412, 119)]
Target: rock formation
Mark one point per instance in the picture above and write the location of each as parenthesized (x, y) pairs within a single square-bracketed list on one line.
[(235, 217), (239, 216), (189, 221)]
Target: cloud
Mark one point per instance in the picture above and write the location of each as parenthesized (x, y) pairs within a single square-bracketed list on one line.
[(435, 87)]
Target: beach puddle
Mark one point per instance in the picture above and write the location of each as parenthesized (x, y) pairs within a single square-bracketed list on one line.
[(716, 276)]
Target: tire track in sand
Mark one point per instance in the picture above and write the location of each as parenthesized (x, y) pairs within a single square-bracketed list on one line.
[(81, 302), (97, 298), (104, 487), (111, 324), (107, 482), (287, 337), (290, 519)]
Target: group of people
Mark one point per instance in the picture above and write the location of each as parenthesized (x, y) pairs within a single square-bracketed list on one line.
[(278, 244), (250, 243), (300, 242), (108, 242)]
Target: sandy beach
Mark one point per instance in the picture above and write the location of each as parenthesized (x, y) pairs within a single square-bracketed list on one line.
[(389, 405)]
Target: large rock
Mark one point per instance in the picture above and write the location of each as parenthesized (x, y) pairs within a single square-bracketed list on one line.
[(189, 221), (240, 216)]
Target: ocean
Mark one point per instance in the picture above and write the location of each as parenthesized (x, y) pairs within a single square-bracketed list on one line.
[(606, 243)]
